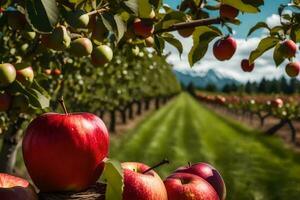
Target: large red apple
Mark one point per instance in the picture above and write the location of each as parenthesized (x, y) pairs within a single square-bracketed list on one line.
[(143, 28), (184, 186), (288, 48), (65, 152), (208, 173), (246, 67), (292, 69), (25, 76), (229, 12), (15, 188), (224, 48), (5, 101), (142, 186)]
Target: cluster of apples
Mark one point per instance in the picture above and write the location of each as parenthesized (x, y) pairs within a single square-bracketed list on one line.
[(199, 181), (8, 74), (66, 153)]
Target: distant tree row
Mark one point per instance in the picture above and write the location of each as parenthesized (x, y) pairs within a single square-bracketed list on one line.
[(264, 86)]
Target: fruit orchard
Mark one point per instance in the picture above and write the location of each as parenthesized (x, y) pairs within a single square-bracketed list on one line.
[(106, 57)]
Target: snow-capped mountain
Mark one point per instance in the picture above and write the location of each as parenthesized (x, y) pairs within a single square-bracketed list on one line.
[(202, 79)]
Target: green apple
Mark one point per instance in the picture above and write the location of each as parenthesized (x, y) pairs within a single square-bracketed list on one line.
[(7, 74), (58, 40), (81, 47), (78, 19), (102, 55)]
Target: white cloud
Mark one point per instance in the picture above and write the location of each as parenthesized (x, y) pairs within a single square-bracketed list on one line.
[(273, 20)]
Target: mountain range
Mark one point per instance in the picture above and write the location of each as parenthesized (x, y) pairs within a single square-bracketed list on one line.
[(202, 79)]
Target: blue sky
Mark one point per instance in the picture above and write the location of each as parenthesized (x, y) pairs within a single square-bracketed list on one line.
[(264, 66)]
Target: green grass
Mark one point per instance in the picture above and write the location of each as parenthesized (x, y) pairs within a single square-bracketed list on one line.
[(255, 167)]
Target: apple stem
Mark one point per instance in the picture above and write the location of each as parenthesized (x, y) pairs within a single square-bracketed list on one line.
[(62, 103), (164, 161), (190, 164)]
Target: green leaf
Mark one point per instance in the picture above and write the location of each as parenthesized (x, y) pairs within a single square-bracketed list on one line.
[(113, 174), (202, 36), (277, 55), (173, 41), (36, 98), (259, 25), (295, 33), (242, 6), (264, 45), (145, 8), (120, 27), (42, 15), (132, 6), (159, 44)]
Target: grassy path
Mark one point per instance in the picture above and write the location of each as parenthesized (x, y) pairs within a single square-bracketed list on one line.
[(254, 167)]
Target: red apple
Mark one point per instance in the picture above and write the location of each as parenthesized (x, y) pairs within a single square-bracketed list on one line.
[(208, 173), (229, 12), (277, 103), (288, 48), (292, 69), (143, 28), (147, 186), (246, 67), (25, 76), (65, 152), (56, 72), (224, 48), (15, 188), (5, 101), (184, 186)]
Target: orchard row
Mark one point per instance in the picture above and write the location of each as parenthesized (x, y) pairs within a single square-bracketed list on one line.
[(285, 109)]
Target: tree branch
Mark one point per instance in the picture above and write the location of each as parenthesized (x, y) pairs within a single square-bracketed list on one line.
[(192, 24)]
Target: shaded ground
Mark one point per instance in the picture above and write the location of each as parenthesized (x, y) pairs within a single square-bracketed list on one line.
[(254, 166)]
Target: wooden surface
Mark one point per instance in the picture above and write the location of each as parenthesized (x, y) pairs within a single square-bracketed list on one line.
[(96, 192)]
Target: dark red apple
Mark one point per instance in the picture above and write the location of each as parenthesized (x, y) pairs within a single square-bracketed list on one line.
[(184, 186), (292, 69), (15, 188), (224, 48), (25, 76), (288, 48), (142, 186), (246, 67), (229, 12), (143, 28), (5, 101), (56, 72), (208, 173), (65, 152)]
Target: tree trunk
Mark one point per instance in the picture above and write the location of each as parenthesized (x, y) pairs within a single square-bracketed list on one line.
[(293, 131), (124, 116), (147, 104), (157, 103), (139, 107), (130, 111), (10, 146), (112, 125), (275, 128)]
